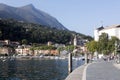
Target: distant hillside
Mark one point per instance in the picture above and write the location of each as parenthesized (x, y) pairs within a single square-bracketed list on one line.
[(34, 33), (29, 13)]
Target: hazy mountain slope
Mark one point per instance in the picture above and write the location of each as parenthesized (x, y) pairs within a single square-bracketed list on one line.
[(29, 13)]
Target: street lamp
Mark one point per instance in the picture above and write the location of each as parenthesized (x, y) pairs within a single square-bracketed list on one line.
[(115, 48), (85, 54), (117, 52)]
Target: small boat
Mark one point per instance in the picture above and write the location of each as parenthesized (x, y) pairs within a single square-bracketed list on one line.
[(4, 60)]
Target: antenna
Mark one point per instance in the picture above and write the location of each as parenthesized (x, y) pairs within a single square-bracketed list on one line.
[(101, 23)]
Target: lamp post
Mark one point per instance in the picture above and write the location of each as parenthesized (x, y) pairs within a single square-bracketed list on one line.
[(86, 55), (117, 52), (115, 48)]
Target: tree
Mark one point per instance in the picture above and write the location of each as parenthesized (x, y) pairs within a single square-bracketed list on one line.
[(92, 46), (103, 43), (106, 45), (24, 41), (111, 44), (61, 48), (70, 48), (34, 33)]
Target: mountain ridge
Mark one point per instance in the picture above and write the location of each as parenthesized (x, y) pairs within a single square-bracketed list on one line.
[(29, 13)]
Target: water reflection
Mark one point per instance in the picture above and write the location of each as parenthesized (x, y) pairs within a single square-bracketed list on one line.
[(43, 69)]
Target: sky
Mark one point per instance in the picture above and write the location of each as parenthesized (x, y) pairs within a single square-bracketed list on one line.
[(82, 16)]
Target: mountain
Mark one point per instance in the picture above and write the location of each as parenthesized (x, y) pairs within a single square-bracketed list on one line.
[(30, 14), (14, 30)]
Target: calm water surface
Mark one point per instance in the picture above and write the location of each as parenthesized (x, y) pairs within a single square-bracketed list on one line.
[(35, 69)]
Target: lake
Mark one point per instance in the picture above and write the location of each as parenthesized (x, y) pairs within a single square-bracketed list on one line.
[(35, 69)]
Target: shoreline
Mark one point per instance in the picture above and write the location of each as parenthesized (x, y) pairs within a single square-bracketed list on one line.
[(38, 57)]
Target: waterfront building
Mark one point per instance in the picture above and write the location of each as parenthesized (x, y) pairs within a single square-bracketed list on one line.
[(7, 47), (113, 30), (46, 52), (6, 50), (23, 50), (4, 42), (8, 42)]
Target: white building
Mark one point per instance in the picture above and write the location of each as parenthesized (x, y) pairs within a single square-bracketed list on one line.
[(113, 30)]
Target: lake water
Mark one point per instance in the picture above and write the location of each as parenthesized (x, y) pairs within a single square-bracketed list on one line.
[(36, 69)]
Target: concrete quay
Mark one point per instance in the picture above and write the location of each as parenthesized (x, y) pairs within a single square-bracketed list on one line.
[(77, 74), (98, 70)]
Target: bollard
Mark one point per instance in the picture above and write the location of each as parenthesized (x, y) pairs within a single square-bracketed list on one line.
[(69, 63), (118, 58), (86, 60)]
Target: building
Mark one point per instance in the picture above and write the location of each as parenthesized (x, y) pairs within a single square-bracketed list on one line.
[(4, 42), (113, 30), (24, 50), (8, 42), (78, 41), (7, 47), (6, 50), (79, 44), (46, 52)]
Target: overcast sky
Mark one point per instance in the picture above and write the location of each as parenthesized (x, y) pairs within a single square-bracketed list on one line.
[(82, 16)]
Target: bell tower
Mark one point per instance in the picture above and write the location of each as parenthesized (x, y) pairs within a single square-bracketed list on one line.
[(75, 41)]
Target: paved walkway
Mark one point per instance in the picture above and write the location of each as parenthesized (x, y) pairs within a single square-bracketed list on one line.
[(103, 70), (76, 74)]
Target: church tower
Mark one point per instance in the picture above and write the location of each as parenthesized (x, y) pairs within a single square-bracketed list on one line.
[(75, 41)]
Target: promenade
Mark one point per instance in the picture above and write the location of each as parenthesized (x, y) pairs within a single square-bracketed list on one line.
[(103, 70), (76, 74), (97, 70)]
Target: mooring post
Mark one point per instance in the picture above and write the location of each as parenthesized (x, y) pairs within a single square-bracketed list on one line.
[(86, 59), (69, 63), (118, 58)]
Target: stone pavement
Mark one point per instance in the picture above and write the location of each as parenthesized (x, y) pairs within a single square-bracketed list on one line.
[(103, 70), (117, 65), (76, 74)]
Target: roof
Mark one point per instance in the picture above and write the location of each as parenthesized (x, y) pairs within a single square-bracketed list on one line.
[(100, 28), (109, 27)]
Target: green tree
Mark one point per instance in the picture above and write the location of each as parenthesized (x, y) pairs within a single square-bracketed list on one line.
[(92, 46), (24, 41), (103, 43), (111, 44), (70, 48), (35, 33), (60, 48)]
